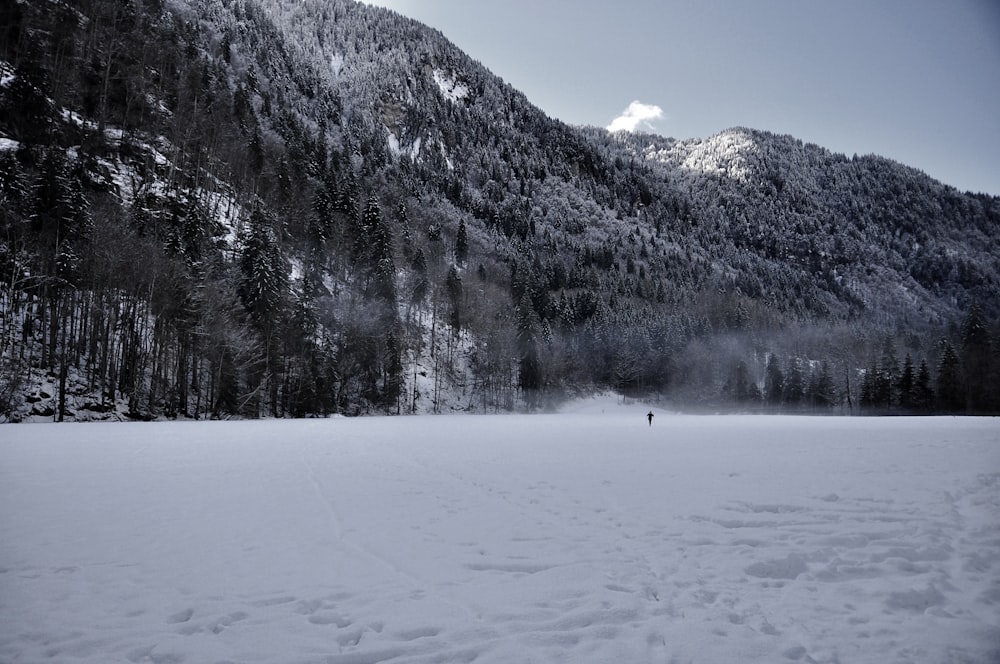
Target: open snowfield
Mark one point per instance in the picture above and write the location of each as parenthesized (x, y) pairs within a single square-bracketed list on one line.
[(585, 536)]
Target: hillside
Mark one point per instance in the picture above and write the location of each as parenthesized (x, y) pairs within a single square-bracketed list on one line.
[(262, 208)]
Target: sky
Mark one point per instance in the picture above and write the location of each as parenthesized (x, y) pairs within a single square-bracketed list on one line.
[(917, 81)]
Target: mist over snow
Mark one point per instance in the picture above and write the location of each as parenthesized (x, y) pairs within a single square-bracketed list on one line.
[(583, 536)]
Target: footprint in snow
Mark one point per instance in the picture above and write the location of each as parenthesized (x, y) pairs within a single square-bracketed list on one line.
[(180, 617), (274, 601), (418, 633), (329, 618)]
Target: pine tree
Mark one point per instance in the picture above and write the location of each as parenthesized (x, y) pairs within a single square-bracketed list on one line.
[(529, 372), (453, 287), (461, 243), (887, 377), (824, 393), (374, 254), (263, 269), (950, 394), (362, 242), (794, 383), (992, 396), (25, 103), (867, 400), (320, 225), (405, 234), (59, 221), (392, 380), (877, 389), (421, 283), (906, 385), (745, 390), (774, 382), (976, 359), (923, 395), (383, 281)]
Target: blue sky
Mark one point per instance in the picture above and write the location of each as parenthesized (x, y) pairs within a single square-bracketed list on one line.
[(917, 81)]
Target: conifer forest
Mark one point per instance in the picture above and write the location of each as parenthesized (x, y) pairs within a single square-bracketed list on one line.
[(256, 208)]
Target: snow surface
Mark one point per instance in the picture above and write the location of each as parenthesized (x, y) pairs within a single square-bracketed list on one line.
[(452, 89), (582, 536), (412, 151)]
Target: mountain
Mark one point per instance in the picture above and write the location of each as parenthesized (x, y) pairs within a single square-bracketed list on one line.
[(257, 208)]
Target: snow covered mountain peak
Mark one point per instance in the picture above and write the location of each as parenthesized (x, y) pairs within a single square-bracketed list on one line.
[(734, 153)]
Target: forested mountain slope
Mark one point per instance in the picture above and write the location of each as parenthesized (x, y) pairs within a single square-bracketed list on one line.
[(256, 208)]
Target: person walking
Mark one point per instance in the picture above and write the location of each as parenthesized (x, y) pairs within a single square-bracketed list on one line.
[(649, 416)]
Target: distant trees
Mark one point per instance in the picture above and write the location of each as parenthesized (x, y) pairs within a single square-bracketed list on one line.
[(529, 369), (913, 389), (774, 383), (950, 390), (979, 362), (461, 243), (454, 290)]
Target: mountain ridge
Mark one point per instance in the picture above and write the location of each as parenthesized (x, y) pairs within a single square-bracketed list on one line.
[(313, 175)]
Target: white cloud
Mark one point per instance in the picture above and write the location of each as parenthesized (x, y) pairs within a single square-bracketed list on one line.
[(637, 114)]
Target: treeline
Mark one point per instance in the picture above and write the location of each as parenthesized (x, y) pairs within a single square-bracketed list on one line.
[(961, 376), (966, 378)]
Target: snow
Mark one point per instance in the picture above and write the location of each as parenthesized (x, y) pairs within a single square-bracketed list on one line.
[(732, 153), (7, 74), (412, 151), (336, 64), (581, 536), (451, 88)]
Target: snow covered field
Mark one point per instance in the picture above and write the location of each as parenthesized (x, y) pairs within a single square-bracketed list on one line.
[(585, 536)]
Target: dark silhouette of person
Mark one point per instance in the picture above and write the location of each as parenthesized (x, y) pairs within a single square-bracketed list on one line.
[(649, 416)]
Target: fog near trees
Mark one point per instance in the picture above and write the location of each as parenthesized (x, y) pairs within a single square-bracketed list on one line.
[(270, 209)]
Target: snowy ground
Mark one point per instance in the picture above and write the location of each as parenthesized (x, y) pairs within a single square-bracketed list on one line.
[(585, 536)]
